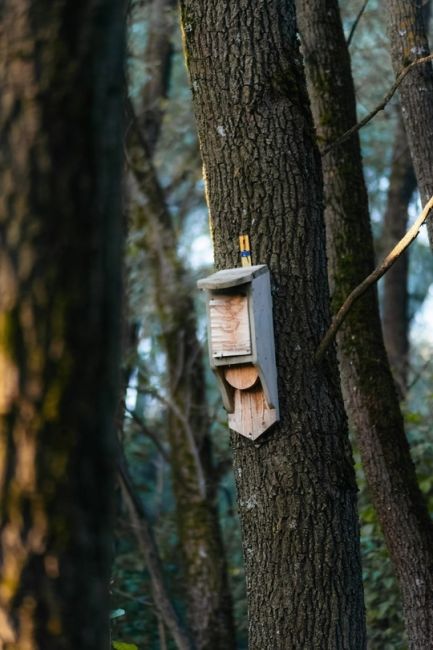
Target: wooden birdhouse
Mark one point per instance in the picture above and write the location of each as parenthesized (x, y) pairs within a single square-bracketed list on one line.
[(241, 346)]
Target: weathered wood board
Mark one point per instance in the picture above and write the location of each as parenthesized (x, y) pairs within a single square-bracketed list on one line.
[(241, 377), (232, 277), (252, 415), (229, 325)]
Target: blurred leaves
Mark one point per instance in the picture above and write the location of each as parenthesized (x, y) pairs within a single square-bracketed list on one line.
[(119, 645)]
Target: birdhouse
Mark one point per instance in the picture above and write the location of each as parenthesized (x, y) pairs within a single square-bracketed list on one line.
[(241, 346)]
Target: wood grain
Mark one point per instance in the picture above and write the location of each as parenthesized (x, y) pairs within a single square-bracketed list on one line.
[(241, 377), (229, 325), (251, 416)]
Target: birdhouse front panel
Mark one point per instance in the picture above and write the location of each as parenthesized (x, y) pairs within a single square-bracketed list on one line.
[(229, 325)]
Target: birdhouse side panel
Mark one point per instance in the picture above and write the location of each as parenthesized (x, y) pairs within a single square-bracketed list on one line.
[(263, 333)]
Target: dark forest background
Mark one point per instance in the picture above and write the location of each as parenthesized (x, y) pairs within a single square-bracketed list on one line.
[(168, 248)]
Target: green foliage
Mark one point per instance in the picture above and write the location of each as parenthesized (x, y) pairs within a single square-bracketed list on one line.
[(385, 627), (119, 645)]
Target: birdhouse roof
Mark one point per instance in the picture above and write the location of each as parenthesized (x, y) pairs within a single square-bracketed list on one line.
[(232, 277)]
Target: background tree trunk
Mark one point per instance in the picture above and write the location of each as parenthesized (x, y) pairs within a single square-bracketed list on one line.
[(296, 488), (61, 74), (368, 387), (209, 602), (402, 184), (408, 41), (158, 60)]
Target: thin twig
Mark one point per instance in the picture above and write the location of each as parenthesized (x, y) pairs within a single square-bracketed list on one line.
[(141, 526), (134, 599), (380, 270), (419, 374), (355, 24), (201, 482), (356, 127), (148, 433)]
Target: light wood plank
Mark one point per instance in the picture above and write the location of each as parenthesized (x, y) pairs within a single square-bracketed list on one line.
[(229, 325), (251, 416), (241, 377)]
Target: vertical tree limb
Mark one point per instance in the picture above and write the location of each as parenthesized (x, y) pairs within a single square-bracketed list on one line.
[(409, 42), (147, 545), (402, 184), (204, 567), (296, 486), (368, 388)]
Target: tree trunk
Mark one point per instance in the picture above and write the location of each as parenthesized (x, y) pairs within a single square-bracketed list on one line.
[(60, 268), (402, 184), (408, 38), (158, 60), (370, 395), (296, 486), (208, 598)]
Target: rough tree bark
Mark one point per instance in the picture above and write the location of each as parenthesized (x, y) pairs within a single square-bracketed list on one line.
[(408, 41), (395, 320), (208, 598), (395, 292), (368, 387), (61, 74), (296, 487)]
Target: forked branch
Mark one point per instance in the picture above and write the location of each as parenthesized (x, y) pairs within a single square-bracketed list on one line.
[(356, 127), (374, 276)]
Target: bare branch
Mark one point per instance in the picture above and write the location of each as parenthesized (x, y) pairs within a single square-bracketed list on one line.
[(356, 21), (134, 599), (380, 270), (146, 542), (419, 374), (148, 433), (189, 436), (357, 127)]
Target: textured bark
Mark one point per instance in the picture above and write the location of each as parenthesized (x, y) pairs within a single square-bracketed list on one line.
[(209, 603), (60, 267), (368, 387), (402, 184), (296, 487), (408, 40)]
